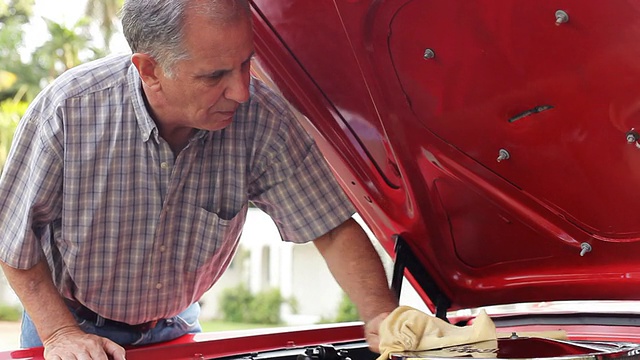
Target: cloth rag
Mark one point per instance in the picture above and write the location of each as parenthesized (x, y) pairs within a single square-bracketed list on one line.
[(409, 329)]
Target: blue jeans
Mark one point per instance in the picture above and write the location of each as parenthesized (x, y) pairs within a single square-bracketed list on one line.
[(167, 329)]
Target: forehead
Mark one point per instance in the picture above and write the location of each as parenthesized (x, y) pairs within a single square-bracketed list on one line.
[(216, 43)]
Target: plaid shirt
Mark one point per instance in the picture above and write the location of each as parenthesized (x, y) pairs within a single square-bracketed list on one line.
[(131, 231)]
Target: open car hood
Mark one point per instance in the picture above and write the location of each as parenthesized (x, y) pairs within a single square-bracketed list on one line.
[(490, 145)]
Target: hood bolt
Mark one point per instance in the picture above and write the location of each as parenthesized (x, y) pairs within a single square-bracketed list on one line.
[(429, 54), (503, 155), (585, 248), (561, 17)]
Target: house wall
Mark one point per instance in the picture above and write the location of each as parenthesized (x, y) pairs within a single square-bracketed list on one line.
[(7, 296), (298, 270), (314, 288)]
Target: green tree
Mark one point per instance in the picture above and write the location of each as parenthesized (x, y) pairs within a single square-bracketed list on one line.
[(64, 48), (105, 13), (17, 80)]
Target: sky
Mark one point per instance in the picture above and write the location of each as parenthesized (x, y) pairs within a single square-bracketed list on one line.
[(61, 11), (67, 11)]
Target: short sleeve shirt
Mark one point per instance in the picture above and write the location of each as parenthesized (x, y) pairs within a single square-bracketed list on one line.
[(132, 231)]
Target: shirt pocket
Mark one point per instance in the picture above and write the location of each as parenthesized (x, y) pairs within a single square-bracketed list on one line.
[(212, 241)]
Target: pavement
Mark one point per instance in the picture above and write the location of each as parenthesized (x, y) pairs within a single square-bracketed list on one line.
[(9, 335)]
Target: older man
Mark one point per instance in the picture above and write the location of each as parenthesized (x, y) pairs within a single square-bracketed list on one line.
[(129, 178)]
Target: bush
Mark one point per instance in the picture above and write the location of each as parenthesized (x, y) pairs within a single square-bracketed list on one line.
[(234, 303), (239, 305), (347, 310), (265, 307), (10, 313)]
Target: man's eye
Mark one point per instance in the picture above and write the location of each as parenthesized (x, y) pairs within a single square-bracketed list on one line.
[(214, 78)]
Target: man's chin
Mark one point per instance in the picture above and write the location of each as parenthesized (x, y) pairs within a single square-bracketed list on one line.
[(219, 124), (218, 120)]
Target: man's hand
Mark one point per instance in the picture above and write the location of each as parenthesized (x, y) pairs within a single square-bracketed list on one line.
[(62, 337), (372, 332), (72, 343)]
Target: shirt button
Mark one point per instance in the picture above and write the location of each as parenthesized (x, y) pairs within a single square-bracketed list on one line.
[(164, 165), (158, 286), (163, 248)]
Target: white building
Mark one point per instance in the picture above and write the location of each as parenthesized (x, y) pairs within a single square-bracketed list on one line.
[(298, 270)]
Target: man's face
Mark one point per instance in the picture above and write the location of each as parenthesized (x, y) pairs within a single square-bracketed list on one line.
[(205, 90)]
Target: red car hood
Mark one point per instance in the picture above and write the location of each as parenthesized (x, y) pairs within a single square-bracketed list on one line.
[(489, 145), (493, 141)]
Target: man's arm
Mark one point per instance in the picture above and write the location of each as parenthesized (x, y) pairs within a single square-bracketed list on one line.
[(60, 334), (357, 268)]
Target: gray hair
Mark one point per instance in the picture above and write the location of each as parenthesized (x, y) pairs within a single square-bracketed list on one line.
[(155, 27)]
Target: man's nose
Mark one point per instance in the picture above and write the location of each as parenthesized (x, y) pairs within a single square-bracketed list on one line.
[(238, 88)]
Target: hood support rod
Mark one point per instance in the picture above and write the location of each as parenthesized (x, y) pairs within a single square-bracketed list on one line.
[(406, 260)]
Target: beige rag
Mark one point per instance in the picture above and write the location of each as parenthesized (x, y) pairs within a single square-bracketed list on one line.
[(409, 329)]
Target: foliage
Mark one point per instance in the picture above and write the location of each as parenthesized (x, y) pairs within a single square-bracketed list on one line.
[(219, 325), (17, 77), (63, 50), (347, 310), (239, 305), (104, 12), (234, 303), (10, 313), (265, 307), (10, 114), (15, 10)]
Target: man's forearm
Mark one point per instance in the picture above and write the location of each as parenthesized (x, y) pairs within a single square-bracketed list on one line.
[(356, 266), (40, 298)]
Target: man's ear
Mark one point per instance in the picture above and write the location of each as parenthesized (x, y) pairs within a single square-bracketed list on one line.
[(148, 68)]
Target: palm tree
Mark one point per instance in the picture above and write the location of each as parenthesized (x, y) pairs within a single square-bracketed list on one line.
[(63, 50), (105, 12)]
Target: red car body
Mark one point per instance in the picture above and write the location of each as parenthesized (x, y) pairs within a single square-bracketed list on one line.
[(491, 147)]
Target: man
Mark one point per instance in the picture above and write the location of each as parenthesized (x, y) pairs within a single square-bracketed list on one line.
[(127, 186)]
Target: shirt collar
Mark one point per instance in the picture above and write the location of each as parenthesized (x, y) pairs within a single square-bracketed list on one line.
[(145, 122)]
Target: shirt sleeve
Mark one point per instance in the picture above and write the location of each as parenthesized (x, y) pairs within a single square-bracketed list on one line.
[(292, 181), (30, 188)]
